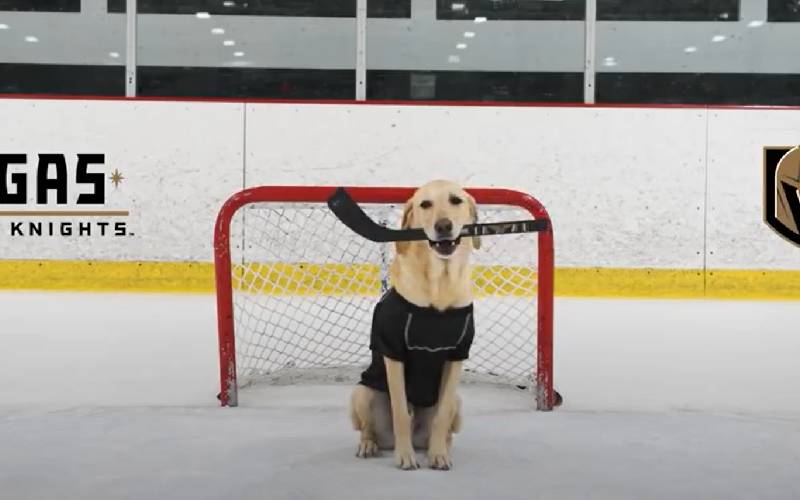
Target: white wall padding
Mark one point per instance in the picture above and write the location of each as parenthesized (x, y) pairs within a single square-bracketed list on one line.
[(737, 236), (625, 187), (180, 162)]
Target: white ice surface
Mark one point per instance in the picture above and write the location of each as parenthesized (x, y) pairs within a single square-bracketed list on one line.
[(112, 397)]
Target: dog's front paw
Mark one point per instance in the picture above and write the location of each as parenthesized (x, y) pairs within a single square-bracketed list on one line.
[(367, 448), (405, 459), (439, 459)]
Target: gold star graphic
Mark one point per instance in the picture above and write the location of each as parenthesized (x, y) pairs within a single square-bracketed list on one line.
[(116, 178)]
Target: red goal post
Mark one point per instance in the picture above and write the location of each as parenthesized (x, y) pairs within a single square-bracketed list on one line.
[(288, 195)]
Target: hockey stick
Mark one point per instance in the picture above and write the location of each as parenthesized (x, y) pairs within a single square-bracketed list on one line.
[(352, 216)]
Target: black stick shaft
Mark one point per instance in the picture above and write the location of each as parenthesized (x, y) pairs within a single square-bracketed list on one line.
[(351, 215)]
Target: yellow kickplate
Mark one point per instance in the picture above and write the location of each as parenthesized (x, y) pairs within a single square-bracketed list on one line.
[(365, 279)]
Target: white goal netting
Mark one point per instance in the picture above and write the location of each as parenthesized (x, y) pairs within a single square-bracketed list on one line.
[(304, 287)]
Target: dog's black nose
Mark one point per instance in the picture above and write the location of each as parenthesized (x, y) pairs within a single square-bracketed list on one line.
[(443, 227)]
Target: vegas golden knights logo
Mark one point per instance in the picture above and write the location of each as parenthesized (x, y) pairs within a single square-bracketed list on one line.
[(782, 191)]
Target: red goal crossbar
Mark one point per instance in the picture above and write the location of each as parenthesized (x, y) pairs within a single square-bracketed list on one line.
[(387, 195)]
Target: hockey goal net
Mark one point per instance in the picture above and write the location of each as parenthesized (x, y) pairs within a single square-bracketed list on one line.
[(296, 289)]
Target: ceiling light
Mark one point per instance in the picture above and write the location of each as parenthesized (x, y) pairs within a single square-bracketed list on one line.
[(31, 39), (480, 19), (457, 6), (217, 31), (203, 15), (719, 38), (461, 46), (229, 43), (690, 50), (755, 24), (453, 59), (3, 26), (609, 61), (113, 54), (238, 54), (469, 34), (229, 3)]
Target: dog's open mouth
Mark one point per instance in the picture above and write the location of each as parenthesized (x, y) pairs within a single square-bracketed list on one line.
[(445, 247)]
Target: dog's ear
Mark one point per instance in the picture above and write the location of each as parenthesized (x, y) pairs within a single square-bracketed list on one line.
[(473, 212), (408, 214)]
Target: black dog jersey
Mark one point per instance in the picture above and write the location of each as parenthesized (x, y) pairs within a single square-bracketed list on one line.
[(423, 338)]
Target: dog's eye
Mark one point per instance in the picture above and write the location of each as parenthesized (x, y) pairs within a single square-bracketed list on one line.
[(426, 204), (455, 200)]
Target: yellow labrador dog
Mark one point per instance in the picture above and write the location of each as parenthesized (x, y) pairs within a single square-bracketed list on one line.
[(422, 330)]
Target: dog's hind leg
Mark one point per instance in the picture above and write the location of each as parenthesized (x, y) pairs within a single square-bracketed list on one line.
[(361, 403)]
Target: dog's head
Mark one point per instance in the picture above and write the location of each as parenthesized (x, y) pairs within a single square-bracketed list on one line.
[(441, 209)]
